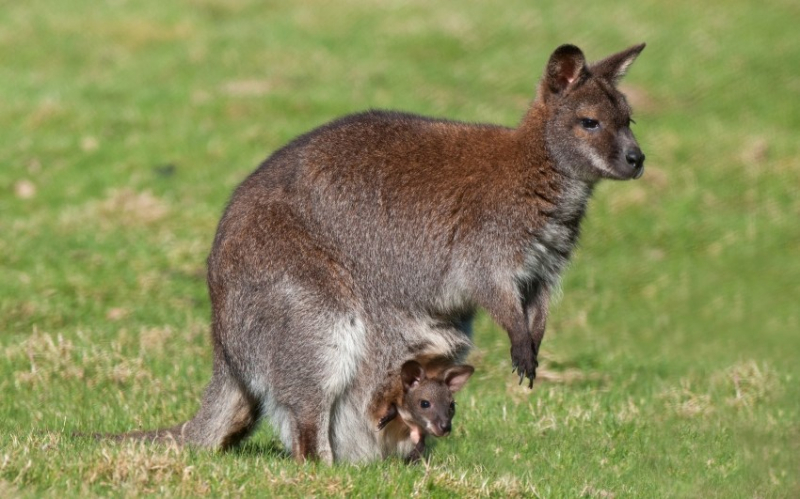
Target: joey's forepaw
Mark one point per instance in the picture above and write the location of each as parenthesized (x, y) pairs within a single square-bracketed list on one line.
[(524, 362), (383, 422), (391, 413)]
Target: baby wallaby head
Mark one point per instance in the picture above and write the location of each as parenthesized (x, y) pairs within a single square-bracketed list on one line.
[(428, 404)]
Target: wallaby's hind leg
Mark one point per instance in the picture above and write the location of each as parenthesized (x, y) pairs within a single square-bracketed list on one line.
[(226, 417), (304, 442), (311, 433)]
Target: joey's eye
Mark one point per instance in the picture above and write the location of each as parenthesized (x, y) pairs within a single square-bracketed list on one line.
[(452, 406), (590, 124), (424, 404)]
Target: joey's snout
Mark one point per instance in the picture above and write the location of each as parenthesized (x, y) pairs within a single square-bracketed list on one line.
[(635, 158), (441, 428)]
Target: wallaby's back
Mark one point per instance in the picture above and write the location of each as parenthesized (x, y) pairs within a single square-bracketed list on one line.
[(401, 205)]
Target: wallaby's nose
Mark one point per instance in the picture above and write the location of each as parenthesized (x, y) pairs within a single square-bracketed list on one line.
[(635, 158)]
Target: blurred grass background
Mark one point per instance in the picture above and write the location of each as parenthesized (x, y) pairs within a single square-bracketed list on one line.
[(671, 360)]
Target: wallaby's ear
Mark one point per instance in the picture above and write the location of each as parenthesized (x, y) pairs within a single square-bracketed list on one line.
[(614, 67), (412, 374), (457, 376), (565, 67)]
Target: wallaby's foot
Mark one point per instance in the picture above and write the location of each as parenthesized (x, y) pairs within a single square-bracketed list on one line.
[(304, 444), (310, 438), (303, 453)]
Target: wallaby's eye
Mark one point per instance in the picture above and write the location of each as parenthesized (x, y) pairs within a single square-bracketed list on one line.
[(424, 404), (590, 124)]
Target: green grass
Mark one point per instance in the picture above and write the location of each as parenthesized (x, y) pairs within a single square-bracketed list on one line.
[(670, 362)]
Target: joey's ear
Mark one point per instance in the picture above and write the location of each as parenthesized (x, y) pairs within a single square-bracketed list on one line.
[(457, 376), (411, 373), (566, 66), (614, 67)]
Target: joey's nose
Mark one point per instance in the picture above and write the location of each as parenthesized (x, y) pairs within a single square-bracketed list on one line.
[(635, 158), (445, 428)]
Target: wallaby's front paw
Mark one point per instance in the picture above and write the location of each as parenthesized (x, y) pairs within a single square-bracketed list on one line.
[(524, 362)]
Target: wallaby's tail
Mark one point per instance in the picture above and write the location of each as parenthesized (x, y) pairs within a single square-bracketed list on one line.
[(227, 416), (175, 434), (163, 435)]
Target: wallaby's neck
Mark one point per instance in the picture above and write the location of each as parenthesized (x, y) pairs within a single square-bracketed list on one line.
[(573, 192), (532, 137)]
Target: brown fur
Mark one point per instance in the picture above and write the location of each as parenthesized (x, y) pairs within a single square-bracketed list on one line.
[(373, 239)]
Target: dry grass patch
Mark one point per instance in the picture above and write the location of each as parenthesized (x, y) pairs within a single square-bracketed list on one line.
[(8, 490), (122, 207), (140, 469), (748, 383), (463, 483), (591, 491), (685, 401), (742, 385), (131, 207), (248, 88), (51, 357)]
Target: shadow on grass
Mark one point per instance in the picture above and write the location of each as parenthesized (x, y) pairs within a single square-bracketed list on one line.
[(265, 448)]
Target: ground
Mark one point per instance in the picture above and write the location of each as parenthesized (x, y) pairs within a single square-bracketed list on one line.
[(670, 364)]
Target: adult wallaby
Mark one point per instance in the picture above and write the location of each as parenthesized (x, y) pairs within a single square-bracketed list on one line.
[(420, 402), (373, 239)]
